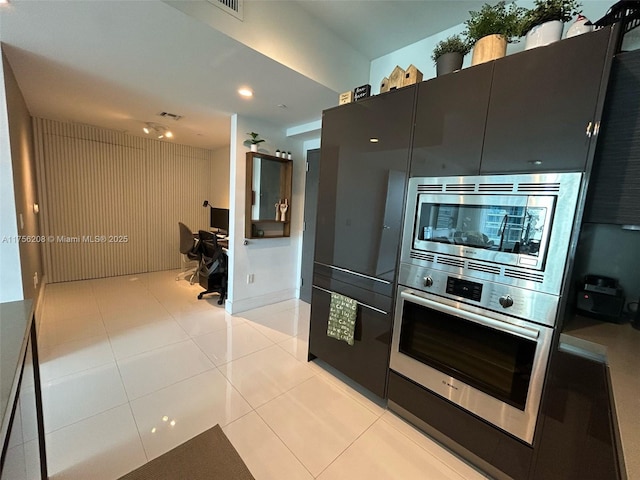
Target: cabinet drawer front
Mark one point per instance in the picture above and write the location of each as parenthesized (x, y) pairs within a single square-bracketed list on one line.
[(367, 360)]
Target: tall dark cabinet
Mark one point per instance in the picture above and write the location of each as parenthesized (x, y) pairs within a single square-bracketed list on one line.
[(362, 187), (543, 106)]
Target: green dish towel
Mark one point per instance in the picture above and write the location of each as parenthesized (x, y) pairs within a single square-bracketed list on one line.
[(342, 318)]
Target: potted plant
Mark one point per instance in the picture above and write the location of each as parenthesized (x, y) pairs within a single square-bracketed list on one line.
[(253, 142), (543, 23), (449, 53), (490, 29)]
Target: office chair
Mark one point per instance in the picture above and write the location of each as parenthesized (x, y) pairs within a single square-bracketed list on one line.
[(212, 272), (189, 249)]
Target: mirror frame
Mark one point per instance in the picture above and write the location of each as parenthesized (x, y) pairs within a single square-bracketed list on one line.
[(270, 228)]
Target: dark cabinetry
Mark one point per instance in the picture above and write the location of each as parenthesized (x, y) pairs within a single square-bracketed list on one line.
[(361, 194), (450, 120), (363, 169), (492, 450), (536, 110), (577, 437), (614, 192), (367, 360), (542, 110)]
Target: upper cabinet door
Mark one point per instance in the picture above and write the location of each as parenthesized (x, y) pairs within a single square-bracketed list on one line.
[(614, 188), (364, 161), (542, 108), (450, 120)]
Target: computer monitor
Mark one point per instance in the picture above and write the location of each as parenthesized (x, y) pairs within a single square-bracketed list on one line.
[(220, 220)]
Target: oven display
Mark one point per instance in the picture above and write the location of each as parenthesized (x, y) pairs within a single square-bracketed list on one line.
[(464, 288)]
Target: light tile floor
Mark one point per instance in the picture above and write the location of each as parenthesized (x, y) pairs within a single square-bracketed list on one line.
[(133, 366)]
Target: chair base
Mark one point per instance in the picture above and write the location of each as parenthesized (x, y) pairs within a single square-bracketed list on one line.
[(186, 270), (215, 283)]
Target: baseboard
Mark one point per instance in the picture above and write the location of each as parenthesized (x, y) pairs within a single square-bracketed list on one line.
[(237, 306)]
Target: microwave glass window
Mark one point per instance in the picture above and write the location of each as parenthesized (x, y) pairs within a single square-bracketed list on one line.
[(503, 228), (490, 360)]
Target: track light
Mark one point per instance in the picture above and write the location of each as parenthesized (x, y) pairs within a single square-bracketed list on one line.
[(157, 130)]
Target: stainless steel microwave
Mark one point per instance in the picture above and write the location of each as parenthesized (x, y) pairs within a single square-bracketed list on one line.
[(512, 229)]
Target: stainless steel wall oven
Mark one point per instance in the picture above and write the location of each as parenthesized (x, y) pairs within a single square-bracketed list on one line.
[(480, 278)]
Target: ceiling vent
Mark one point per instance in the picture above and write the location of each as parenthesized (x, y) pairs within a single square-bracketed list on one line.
[(170, 116), (232, 7)]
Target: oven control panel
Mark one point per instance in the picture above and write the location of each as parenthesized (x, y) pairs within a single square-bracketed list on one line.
[(507, 299), (464, 288)]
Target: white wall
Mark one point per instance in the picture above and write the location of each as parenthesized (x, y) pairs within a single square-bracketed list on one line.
[(10, 269), (24, 183), (274, 262), (419, 53), (220, 177), (286, 33)]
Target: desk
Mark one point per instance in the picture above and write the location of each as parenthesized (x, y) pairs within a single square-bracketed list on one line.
[(223, 242)]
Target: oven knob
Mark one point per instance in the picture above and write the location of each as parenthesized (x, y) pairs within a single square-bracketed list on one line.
[(428, 281), (506, 301)]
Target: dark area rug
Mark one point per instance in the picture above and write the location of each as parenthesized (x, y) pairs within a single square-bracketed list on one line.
[(208, 456)]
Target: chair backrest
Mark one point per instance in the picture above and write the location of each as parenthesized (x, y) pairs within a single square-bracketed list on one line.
[(208, 242), (187, 242), (213, 259)]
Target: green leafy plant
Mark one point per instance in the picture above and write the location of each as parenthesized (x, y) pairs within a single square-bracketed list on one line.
[(547, 11), (453, 44), (497, 19), (254, 140)]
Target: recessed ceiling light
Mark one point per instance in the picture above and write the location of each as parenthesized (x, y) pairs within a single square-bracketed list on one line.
[(169, 134), (282, 105), (374, 140), (245, 92)]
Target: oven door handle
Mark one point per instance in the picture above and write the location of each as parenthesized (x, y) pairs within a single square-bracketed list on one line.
[(523, 332)]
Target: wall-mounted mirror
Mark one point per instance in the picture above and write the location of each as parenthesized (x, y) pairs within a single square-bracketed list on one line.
[(268, 209)]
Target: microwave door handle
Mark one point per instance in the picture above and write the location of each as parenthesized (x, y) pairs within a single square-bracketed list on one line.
[(523, 332)]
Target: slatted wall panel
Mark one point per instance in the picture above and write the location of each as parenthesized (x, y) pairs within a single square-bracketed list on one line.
[(178, 182), (104, 186)]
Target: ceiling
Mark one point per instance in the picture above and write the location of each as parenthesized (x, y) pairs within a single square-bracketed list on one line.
[(377, 27), (118, 64)]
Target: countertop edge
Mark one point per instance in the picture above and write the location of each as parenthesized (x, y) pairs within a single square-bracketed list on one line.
[(26, 309), (615, 345)]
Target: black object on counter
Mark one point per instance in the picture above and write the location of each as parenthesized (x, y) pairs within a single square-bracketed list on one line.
[(602, 298)]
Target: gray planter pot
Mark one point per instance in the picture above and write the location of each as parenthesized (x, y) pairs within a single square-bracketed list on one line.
[(448, 63)]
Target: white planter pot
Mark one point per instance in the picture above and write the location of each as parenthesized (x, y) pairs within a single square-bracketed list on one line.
[(580, 26), (254, 147), (544, 34)]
